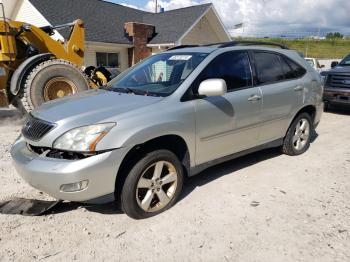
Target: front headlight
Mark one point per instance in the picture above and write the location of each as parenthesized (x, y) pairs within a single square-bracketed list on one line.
[(83, 139)]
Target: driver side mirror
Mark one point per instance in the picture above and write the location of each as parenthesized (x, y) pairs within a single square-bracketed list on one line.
[(213, 87), (334, 64)]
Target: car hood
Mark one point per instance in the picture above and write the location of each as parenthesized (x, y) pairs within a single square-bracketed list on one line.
[(338, 69), (92, 106)]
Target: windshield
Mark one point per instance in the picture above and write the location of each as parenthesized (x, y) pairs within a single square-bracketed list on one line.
[(158, 75), (345, 61), (311, 62)]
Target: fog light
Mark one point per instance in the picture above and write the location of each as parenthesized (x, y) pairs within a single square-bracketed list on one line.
[(77, 186)]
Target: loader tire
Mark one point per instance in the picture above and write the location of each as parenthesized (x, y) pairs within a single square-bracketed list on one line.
[(49, 80)]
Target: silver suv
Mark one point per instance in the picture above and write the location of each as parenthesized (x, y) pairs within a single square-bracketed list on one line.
[(170, 116)]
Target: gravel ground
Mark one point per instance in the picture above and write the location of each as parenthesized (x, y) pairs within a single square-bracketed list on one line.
[(262, 207)]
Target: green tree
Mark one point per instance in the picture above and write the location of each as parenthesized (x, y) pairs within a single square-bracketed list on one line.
[(335, 35)]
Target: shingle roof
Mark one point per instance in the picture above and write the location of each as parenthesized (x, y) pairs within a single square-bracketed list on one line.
[(104, 21), (171, 25)]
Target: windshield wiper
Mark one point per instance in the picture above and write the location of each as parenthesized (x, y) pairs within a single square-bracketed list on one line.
[(121, 89), (129, 90), (134, 91)]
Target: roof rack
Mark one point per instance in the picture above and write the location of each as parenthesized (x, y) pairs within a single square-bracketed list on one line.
[(234, 43), (182, 46), (248, 43)]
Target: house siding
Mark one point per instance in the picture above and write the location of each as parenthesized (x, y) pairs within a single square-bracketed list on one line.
[(29, 14), (201, 33), (26, 12), (91, 49)]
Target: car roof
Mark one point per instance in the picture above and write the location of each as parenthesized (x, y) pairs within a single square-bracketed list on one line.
[(293, 54), (210, 49), (236, 43)]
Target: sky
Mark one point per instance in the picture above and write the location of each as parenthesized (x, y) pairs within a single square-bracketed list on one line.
[(290, 18)]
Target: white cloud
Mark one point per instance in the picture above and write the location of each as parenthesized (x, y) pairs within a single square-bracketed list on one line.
[(169, 5), (269, 16), (132, 6)]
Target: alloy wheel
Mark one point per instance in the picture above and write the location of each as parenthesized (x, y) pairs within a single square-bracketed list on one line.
[(301, 134), (156, 186)]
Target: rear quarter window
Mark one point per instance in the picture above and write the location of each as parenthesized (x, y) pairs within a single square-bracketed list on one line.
[(296, 70)]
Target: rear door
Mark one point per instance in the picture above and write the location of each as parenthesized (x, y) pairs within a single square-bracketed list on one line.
[(283, 90), (230, 123)]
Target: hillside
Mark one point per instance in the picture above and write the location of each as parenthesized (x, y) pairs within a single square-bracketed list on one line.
[(330, 49)]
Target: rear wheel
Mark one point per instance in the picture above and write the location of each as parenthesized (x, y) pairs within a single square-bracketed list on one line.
[(297, 139), (153, 185), (50, 80)]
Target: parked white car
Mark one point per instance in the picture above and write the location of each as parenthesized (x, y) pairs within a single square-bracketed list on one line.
[(315, 64)]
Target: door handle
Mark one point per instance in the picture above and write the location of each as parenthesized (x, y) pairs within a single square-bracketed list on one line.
[(298, 88), (254, 98)]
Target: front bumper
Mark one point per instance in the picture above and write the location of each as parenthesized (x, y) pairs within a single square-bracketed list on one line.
[(336, 95), (49, 174)]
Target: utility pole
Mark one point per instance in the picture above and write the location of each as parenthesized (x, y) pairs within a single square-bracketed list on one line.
[(156, 6)]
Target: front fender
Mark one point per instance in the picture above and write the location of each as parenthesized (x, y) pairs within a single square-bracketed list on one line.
[(22, 71), (139, 136)]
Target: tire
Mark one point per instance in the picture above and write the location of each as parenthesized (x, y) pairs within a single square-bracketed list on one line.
[(37, 85), (326, 106), (135, 194), (295, 133)]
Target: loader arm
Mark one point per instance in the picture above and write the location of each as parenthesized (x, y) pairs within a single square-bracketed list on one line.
[(71, 50)]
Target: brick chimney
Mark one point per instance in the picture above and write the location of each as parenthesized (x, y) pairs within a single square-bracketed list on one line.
[(140, 34)]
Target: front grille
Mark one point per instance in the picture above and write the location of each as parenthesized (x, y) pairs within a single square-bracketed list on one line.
[(341, 81), (35, 129)]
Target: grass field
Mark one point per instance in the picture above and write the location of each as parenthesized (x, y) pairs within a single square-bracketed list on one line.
[(326, 49)]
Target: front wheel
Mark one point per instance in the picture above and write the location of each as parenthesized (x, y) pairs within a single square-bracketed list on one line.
[(153, 185), (298, 137)]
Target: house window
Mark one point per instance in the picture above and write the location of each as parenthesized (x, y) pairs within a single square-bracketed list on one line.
[(107, 59)]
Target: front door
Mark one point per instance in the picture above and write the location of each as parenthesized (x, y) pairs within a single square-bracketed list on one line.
[(230, 123)]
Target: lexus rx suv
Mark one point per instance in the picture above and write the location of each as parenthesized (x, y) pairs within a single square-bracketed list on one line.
[(170, 116)]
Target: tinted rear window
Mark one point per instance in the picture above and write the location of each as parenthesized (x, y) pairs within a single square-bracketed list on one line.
[(268, 67), (298, 71)]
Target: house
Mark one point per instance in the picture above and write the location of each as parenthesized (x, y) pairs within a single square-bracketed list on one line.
[(118, 36)]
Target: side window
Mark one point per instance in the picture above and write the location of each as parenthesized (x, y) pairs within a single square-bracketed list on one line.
[(288, 71), (297, 69), (233, 67), (268, 67)]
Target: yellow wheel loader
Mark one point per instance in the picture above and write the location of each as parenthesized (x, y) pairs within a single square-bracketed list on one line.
[(35, 68)]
